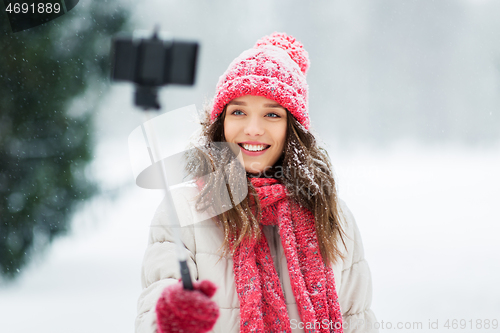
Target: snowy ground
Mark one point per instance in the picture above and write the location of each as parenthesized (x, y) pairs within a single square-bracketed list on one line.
[(429, 220)]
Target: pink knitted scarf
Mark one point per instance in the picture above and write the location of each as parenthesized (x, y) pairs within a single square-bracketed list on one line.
[(262, 303)]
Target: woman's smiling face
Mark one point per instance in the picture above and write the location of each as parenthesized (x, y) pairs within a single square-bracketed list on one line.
[(258, 125)]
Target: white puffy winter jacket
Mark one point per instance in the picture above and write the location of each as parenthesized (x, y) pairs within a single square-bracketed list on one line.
[(203, 241)]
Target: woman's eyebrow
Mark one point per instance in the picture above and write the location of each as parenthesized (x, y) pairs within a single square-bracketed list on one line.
[(273, 106), (237, 103)]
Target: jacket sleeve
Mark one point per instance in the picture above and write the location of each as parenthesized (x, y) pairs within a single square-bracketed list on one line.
[(355, 294), (160, 267)]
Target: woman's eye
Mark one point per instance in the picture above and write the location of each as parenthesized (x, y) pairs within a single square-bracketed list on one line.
[(237, 112), (273, 115)]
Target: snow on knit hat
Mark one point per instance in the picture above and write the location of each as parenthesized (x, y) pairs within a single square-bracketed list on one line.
[(274, 68)]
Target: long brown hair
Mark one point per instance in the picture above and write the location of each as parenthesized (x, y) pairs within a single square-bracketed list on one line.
[(304, 168)]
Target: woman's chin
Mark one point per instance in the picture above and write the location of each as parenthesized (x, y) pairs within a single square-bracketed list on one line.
[(254, 168), (254, 173)]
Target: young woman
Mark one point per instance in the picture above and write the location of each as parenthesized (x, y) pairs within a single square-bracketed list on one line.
[(288, 257)]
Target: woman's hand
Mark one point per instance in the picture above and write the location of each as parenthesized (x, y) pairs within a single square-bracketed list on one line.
[(180, 310)]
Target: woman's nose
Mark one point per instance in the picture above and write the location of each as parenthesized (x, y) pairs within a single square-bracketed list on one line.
[(254, 127)]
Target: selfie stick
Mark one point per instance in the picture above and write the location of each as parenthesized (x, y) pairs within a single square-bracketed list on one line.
[(151, 63), (153, 149)]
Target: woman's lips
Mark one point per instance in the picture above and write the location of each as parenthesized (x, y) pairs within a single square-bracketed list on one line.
[(253, 153)]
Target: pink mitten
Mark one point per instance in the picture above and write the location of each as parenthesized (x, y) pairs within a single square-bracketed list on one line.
[(180, 310)]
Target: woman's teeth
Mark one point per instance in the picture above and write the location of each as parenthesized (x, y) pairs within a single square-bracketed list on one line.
[(254, 147)]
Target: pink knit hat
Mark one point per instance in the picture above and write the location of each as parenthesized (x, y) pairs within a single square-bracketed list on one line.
[(274, 68)]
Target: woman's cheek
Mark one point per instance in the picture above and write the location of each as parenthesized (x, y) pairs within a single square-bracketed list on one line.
[(229, 131)]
